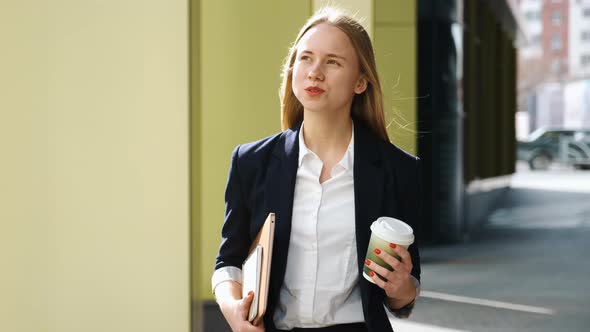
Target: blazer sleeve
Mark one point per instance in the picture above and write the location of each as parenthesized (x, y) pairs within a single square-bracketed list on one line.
[(413, 213), (235, 239)]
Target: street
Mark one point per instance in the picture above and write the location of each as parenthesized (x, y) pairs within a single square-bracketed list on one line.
[(526, 269)]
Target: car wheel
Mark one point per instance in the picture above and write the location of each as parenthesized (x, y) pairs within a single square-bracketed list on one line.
[(541, 161)]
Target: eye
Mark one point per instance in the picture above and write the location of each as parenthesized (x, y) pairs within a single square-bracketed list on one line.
[(333, 62), (304, 58)]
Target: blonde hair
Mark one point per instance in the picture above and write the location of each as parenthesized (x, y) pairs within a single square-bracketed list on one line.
[(367, 107)]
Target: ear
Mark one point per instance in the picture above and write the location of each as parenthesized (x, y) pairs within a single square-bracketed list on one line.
[(361, 85)]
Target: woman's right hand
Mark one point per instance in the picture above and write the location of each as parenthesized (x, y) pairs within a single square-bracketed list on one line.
[(236, 314)]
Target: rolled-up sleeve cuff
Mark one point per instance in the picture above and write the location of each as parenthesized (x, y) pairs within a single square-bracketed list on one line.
[(407, 310), (226, 273)]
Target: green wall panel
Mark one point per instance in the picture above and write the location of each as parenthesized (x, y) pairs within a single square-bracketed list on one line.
[(395, 12), (395, 52)]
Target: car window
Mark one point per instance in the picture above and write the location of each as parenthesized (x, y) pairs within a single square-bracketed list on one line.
[(550, 136)]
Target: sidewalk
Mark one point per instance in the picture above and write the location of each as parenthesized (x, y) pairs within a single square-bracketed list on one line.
[(526, 270)]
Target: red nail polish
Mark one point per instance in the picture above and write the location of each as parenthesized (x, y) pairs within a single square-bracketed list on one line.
[(377, 251), (392, 245), (367, 262), (250, 293), (371, 273)]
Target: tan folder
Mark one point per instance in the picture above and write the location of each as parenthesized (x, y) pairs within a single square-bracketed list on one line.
[(264, 238)]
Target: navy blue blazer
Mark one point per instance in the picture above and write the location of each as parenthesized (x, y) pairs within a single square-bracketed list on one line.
[(262, 180)]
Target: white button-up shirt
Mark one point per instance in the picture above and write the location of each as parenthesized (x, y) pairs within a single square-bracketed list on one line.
[(321, 278)]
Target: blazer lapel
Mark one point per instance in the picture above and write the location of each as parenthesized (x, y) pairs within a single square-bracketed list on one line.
[(369, 185), (280, 188)]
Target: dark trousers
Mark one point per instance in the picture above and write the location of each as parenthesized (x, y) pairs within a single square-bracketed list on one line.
[(355, 327)]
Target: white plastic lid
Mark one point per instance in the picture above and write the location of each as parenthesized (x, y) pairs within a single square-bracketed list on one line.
[(393, 230)]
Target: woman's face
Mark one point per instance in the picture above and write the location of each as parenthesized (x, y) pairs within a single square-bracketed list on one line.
[(326, 72)]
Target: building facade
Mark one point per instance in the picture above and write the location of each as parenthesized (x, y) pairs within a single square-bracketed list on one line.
[(554, 64), (554, 38), (579, 39)]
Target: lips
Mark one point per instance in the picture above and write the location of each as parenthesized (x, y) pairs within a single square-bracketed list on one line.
[(314, 91)]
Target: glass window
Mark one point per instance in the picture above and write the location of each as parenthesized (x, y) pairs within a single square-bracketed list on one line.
[(585, 60), (550, 136), (556, 18), (556, 43), (587, 12)]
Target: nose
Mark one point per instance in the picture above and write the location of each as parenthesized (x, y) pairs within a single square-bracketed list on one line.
[(315, 73)]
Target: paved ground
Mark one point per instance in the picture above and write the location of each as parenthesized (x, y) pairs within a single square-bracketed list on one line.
[(527, 270)]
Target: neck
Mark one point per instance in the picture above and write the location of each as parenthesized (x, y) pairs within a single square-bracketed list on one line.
[(327, 134)]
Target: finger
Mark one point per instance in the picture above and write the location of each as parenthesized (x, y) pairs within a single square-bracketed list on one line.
[(259, 327), (390, 260), (245, 305), (404, 255), (378, 281), (258, 321), (402, 252), (248, 327), (385, 273)]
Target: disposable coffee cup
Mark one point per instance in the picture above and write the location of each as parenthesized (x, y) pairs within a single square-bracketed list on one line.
[(386, 230)]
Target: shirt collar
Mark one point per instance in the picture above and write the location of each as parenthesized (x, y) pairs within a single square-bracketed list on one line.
[(347, 161)]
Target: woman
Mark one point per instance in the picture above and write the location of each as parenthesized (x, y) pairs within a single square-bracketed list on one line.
[(327, 177)]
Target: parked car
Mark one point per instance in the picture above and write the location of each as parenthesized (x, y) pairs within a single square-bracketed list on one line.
[(546, 146)]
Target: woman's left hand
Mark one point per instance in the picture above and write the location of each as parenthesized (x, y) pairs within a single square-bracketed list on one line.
[(398, 285)]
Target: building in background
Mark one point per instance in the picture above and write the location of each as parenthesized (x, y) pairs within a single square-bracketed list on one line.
[(554, 64), (577, 91), (579, 39), (554, 38)]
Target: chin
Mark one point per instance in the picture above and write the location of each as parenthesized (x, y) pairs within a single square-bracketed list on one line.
[(312, 107)]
